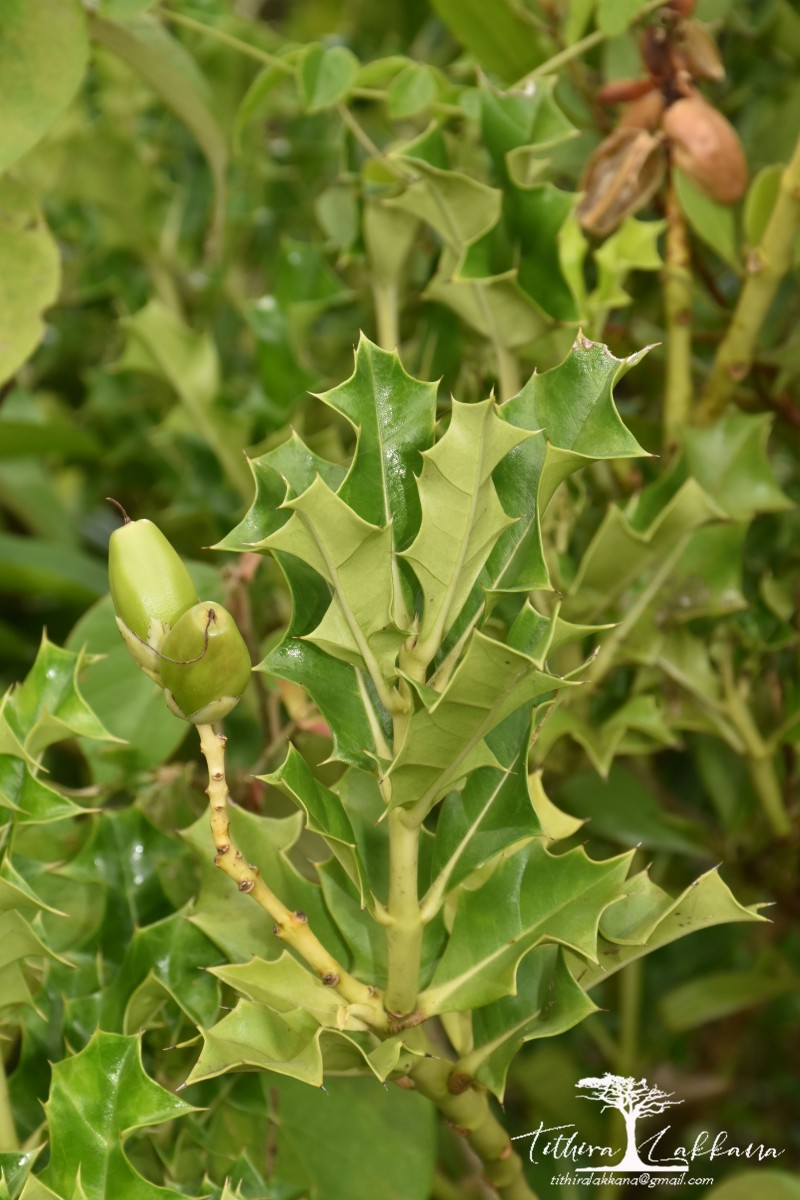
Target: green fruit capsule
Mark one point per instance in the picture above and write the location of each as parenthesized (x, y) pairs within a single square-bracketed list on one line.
[(150, 588), (205, 664)]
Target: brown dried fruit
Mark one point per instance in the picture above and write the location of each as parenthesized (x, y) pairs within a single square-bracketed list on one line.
[(644, 113), (620, 91), (656, 50), (700, 52), (706, 146), (620, 177)]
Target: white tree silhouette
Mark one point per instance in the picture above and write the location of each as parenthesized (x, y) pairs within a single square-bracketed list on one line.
[(634, 1098)]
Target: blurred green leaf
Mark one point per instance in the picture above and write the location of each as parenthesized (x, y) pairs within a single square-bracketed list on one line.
[(759, 202), (710, 997), (779, 1185), (30, 274), (325, 75), (43, 50), (502, 40), (713, 222)]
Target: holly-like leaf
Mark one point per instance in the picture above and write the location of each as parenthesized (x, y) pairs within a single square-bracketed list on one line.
[(444, 742), (338, 690), (324, 812), (355, 559), (532, 897), (548, 1001), (393, 415), (165, 960), (459, 208), (48, 707), (30, 800), (285, 985), (30, 270), (97, 1098), (462, 517), (647, 917), (289, 469), (573, 404), (729, 460), (232, 920)]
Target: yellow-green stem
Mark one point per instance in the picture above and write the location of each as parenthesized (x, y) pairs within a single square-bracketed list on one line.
[(291, 927), (678, 309), (758, 756), (766, 266), (404, 928), (8, 1130), (471, 1115), (386, 314)]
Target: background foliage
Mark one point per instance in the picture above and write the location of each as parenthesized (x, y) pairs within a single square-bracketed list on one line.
[(200, 206)]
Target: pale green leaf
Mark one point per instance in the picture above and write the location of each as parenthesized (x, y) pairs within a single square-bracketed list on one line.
[(444, 743), (459, 208), (43, 51), (713, 222), (711, 997), (498, 36), (462, 517), (285, 985), (743, 1185), (30, 271), (532, 897), (355, 559)]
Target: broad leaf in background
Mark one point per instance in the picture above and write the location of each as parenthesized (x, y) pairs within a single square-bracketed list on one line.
[(30, 273), (43, 51)]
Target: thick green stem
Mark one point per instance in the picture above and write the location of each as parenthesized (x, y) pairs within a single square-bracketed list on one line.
[(678, 309), (8, 1130), (766, 266), (468, 1108), (291, 927), (404, 928), (630, 1014)]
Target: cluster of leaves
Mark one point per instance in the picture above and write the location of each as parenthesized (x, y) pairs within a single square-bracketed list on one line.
[(243, 207)]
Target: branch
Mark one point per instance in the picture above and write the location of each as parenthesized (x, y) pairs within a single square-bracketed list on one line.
[(677, 284), (766, 266), (290, 927)]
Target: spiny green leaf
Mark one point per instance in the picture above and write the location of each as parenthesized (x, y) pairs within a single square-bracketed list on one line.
[(98, 1097), (519, 127), (547, 1002), (355, 559), (30, 269), (336, 688), (647, 917), (604, 742), (32, 801), (165, 960), (287, 470), (285, 985), (48, 707), (462, 517), (444, 743), (730, 461), (324, 812), (230, 919), (530, 898), (459, 208), (393, 415), (625, 547), (43, 51)]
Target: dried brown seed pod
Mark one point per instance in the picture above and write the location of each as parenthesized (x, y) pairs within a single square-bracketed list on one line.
[(620, 177), (700, 52), (656, 50), (705, 145), (644, 113), (620, 91)]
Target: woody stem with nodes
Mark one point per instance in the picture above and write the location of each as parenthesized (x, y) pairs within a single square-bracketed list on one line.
[(291, 927)]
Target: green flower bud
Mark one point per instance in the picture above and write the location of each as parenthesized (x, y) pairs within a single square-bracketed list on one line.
[(205, 664), (150, 588)]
